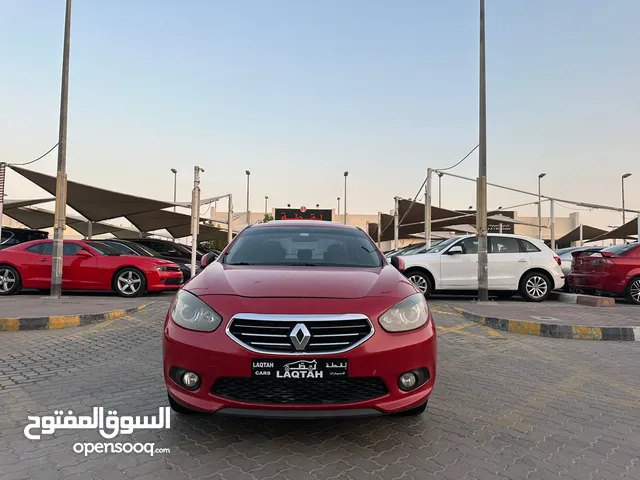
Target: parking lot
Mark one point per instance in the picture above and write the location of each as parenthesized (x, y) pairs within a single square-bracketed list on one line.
[(505, 406)]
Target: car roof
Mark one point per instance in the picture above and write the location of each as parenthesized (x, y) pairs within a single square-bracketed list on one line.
[(305, 223)]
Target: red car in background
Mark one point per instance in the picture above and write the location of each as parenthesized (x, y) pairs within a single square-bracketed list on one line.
[(614, 270), (87, 265), (302, 319)]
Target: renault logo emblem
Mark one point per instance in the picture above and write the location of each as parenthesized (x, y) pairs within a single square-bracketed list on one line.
[(300, 336)]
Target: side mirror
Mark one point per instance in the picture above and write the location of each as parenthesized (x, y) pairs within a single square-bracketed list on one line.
[(207, 259), (455, 250), (83, 253), (398, 263)]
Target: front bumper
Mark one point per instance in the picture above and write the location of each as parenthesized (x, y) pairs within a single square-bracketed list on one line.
[(159, 281), (215, 356)]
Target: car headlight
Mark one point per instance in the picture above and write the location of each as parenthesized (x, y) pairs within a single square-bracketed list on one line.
[(190, 312), (409, 314), (161, 268)]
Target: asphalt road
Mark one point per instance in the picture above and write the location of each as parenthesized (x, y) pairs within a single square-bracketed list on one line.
[(505, 406)]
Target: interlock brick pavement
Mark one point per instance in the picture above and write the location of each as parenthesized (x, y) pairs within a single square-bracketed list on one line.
[(505, 406)]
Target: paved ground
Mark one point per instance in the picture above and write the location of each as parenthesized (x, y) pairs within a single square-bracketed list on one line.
[(505, 406), (622, 315), (39, 305)]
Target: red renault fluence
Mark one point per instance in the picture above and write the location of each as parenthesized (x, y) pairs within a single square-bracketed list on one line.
[(300, 319)]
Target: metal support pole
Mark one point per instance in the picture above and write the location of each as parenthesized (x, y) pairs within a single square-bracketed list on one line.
[(248, 213), (338, 211), (61, 178), (379, 228), (440, 190), (195, 218), (581, 237), (638, 227), (396, 225), (175, 186), (552, 223), (89, 230), (266, 202), (500, 228), (481, 208), (427, 209), (539, 210), (230, 220), (623, 215), (3, 172), (345, 197)]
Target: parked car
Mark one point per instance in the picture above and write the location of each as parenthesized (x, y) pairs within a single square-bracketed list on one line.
[(614, 270), (87, 265), (127, 247), (14, 236), (566, 256), (167, 248), (297, 290), (516, 264)]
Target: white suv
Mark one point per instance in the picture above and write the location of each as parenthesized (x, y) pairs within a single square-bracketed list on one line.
[(516, 264)]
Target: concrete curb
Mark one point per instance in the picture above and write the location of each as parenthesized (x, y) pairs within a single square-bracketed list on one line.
[(587, 300), (63, 321), (553, 330)]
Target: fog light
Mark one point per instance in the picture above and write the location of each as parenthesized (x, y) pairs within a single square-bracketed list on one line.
[(190, 380), (407, 381)]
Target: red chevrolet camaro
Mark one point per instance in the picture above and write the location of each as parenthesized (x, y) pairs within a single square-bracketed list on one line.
[(87, 265), (300, 319)]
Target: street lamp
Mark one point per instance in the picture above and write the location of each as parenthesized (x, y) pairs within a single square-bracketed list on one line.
[(248, 215), (626, 175), (540, 207), (175, 184), (338, 206), (266, 199), (440, 174), (346, 174)]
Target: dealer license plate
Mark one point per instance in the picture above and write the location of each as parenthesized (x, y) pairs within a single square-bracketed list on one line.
[(315, 369)]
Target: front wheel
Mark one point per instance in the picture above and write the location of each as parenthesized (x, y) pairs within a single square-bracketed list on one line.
[(633, 291), (422, 281), (130, 282), (535, 287), (10, 281)]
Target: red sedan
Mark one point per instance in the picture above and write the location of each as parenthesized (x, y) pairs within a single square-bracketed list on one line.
[(300, 319), (614, 270), (87, 265)]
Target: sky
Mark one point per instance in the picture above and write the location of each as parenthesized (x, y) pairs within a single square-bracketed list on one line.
[(299, 91)]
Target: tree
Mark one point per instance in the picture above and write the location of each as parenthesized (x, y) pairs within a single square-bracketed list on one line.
[(267, 218)]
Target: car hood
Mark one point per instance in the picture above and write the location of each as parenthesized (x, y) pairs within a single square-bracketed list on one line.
[(300, 282)]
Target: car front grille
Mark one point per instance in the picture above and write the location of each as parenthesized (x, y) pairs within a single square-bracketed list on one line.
[(174, 281), (173, 269), (296, 392), (329, 334)]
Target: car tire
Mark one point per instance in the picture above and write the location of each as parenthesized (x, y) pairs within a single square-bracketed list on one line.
[(126, 280), (504, 295), (535, 286), (421, 280), (419, 410), (632, 292), (176, 407), (10, 280)]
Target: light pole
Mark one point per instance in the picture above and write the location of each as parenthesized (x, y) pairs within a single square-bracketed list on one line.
[(481, 208), (626, 175), (440, 174), (248, 214), (61, 184), (540, 207), (346, 174), (175, 185), (612, 227), (338, 206), (266, 200)]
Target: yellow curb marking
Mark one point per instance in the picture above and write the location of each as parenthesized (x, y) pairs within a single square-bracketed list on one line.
[(523, 327), (63, 322), (492, 331), (9, 324), (587, 333)]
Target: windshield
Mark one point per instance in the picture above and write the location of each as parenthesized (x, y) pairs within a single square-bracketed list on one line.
[(304, 246), (442, 245), (104, 249), (621, 249)]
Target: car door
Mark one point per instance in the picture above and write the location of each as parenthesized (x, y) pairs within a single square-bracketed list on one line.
[(79, 271), (43, 266), (507, 262), (460, 271)]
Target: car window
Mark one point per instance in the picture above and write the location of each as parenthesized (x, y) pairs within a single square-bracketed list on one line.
[(70, 249), (47, 248), (442, 245), (469, 245), (103, 249), (504, 245), (5, 238), (304, 245), (160, 247), (122, 248), (37, 248), (527, 246), (621, 249)]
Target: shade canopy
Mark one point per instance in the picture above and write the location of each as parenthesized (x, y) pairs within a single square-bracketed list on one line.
[(159, 219), (9, 204), (588, 233), (629, 229), (95, 204), (205, 232)]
